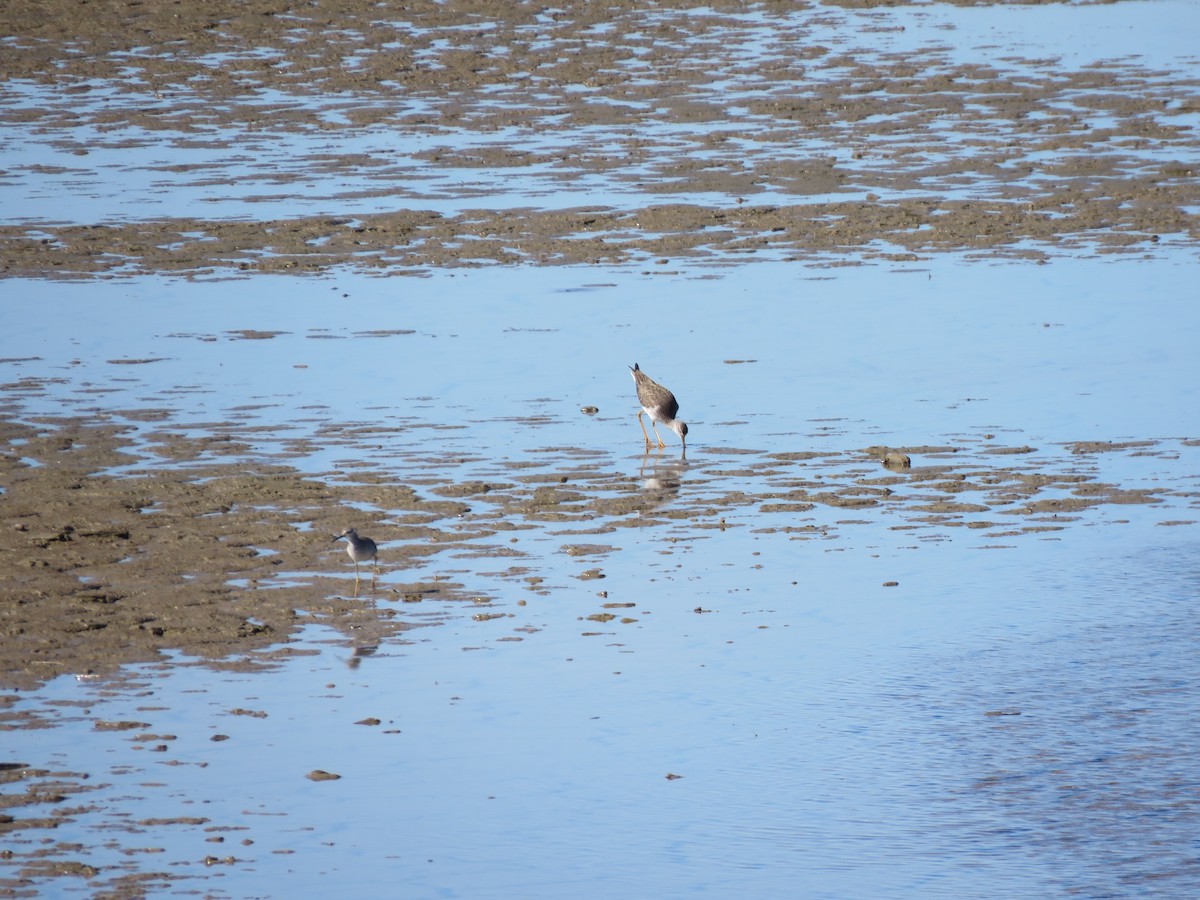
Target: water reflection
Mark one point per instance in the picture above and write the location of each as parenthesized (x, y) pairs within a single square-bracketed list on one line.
[(361, 652), (661, 478)]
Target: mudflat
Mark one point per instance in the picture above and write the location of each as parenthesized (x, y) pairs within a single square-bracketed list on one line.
[(724, 134), (933, 153)]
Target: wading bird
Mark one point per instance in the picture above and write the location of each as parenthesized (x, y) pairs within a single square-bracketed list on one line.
[(660, 405)]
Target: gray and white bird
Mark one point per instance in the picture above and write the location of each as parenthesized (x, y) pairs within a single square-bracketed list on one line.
[(359, 549), (660, 405)]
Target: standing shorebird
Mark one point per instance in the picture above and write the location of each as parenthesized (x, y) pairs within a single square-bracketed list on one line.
[(660, 405), (359, 549)]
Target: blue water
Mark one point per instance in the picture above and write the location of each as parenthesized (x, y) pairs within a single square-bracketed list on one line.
[(1015, 717), (1082, 349), (858, 703), (1001, 723)]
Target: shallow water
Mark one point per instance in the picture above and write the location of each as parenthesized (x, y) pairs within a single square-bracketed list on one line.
[(905, 353), (1012, 717), (998, 724), (712, 675)]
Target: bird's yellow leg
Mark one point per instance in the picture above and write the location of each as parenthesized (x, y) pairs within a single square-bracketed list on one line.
[(646, 436), (654, 425)]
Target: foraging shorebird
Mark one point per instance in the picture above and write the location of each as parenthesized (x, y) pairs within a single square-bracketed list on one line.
[(359, 549), (660, 405)]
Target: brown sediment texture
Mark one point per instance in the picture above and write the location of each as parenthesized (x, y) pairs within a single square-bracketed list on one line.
[(923, 153), (119, 545)]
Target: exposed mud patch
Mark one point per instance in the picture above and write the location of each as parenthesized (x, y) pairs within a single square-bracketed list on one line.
[(815, 143), (113, 558)]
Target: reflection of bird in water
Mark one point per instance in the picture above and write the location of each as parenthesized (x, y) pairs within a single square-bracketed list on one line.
[(360, 549), (660, 405), (663, 487), (661, 483), (360, 653)]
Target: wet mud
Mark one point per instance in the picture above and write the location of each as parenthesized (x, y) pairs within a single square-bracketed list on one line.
[(220, 559), (123, 544), (716, 135), (859, 155)]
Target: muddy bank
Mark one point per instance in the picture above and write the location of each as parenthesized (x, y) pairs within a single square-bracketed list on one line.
[(404, 243), (108, 569), (120, 546), (815, 144)]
